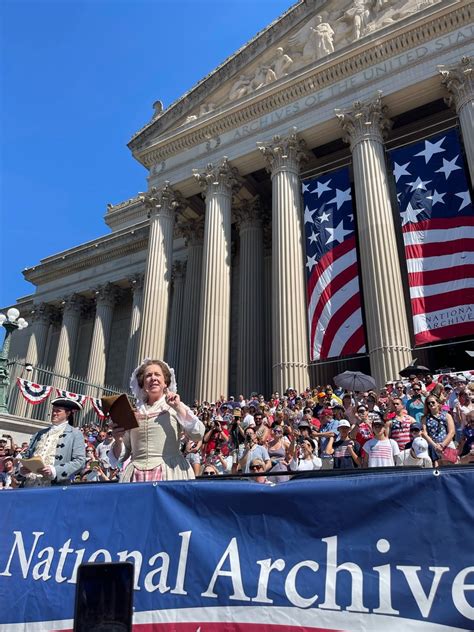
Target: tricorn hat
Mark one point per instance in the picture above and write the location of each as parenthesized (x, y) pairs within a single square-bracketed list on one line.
[(65, 402)]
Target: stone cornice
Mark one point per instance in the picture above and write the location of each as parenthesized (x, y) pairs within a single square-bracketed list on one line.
[(126, 211), (372, 50), (114, 246)]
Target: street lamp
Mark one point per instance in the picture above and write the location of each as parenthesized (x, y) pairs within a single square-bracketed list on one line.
[(10, 322)]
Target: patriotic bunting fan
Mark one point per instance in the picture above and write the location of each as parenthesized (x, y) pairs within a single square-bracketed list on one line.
[(34, 393), (97, 406)]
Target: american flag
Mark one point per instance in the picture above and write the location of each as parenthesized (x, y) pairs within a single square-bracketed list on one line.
[(437, 220), (334, 302)]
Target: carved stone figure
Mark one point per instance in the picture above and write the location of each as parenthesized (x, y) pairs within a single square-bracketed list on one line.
[(240, 88), (282, 63), (263, 77), (360, 14), (157, 109), (323, 36)]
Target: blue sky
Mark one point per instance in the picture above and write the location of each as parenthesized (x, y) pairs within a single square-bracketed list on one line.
[(77, 79)]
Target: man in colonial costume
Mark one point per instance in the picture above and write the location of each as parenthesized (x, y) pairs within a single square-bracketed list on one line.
[(61, 447)]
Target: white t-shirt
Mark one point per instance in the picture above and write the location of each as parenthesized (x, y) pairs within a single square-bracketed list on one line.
[(406, 458), (382, 452), (303, 465)]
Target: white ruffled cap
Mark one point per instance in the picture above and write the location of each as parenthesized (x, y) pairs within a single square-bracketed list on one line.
[(139, 392)]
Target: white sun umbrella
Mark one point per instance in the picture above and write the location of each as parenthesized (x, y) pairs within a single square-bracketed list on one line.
[(355, 381)]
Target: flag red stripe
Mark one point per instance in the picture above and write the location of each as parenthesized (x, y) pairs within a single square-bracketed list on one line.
[(336, 283), (336, 322), (457, 330), (428, 304), (327, 259), (457, 246), (355, 342), (431, 277), (440, 223)]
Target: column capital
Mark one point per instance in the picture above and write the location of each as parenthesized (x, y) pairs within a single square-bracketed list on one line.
[(192, 231), (284, 153), (248, 214), (72, 303), (162, 200), (179, 270), (41, 312), (106, 294), (459, 82), (222, 178), (136, 282), (366, 121)]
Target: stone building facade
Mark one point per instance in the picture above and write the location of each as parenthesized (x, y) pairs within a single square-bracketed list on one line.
[(206, 267)]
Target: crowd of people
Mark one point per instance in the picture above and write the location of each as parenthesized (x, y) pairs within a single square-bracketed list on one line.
[(420, 421)]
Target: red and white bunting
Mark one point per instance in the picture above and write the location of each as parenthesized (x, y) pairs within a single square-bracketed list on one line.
[(33, 393)]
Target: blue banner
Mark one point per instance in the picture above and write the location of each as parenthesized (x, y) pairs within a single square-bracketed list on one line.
[(377, 551)]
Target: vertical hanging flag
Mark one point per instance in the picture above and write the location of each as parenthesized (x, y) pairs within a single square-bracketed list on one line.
[(334, 301), (437, 220)]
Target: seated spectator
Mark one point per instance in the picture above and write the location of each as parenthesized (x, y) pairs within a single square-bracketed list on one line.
[(380, 451), (345, 451), (209, 470), (417, 454), (302, 455), (415, 431), (257, 466)]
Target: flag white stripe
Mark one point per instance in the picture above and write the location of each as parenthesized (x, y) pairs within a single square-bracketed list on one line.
[(340, 298), (329, 274), (344, 333), (442, 262), (419, 291), (448, 317), (436, 236)]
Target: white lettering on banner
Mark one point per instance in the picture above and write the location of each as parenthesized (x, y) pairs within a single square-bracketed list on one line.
[(37, 564), (369, 74), (231, 552)]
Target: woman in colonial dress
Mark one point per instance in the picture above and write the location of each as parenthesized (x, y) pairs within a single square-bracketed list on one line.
[(154, 447)]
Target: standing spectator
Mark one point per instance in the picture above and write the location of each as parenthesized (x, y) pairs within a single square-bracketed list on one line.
[(429, 383), (380, 451), (346, 451), (192, 454), (7, 477), (103, 448), (415, 431), (399, 426), (466, 445), (302, 455), (416, 404), (417, 454), (438, 429), (209, 470), (399, 391), (329, 428), (252, 451), (362, 430)]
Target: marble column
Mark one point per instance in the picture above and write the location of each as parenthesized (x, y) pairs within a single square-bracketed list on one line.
[(39, 321), (176, 315), (131, 360), (250, 359), (290, 342), (193, 232), (212, 377), (267, 300), (162, 205), (459, 82), (385, 309), (106, 296), (72, 306)]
